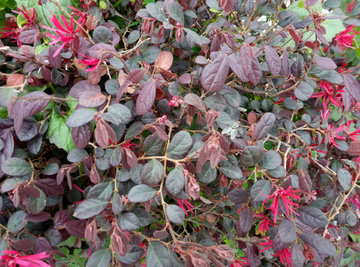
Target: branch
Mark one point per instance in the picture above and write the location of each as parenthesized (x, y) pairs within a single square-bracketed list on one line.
[(346, 197)]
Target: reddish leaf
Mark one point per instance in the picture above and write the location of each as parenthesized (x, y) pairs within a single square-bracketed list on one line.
[(304, 181), (94, 175), (50, 187), (196, 101), (146, 97), (15, 79), (81, 135), (76, 228), (41, 217), (23, 244), (159, 94), (91, 99), (294, 35), (184, 79), (354, 148), (60, 218), (164, 61), (101, 135)]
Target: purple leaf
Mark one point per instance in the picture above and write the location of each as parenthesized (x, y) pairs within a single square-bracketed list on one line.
[(310, 2), (321, 37), (214, 75), (146, 97), (196, 101), (325, 63), (237, 68), (102, 51), (27, 37), (26, 107), (81, 87), (245, 221), (91, 99), (297, 255), (352, 86), (273, 60), (264, 125), (246, 59), (285, 64), (256, 73), (348, 100), (318, 243), (54, 61)]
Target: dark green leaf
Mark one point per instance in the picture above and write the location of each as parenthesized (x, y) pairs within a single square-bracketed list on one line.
[(102, 191), (152, 172), (128, 221), (175, 11), (179, 145), (175, 214), (37, 205), (141, 193), (153, 145), (175, 181), (51, 169), (271, 160), (80, 117), (251, 155), (89, 208), (207, 174), (100, 258), (15, 223), (117, 204), (157, 255), (16, 167), (232, 172), (344, 178)]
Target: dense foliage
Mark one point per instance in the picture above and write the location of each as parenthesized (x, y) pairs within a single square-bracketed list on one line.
[(190, 133)]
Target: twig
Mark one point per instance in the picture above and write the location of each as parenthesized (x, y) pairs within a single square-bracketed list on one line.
[(346, 196)]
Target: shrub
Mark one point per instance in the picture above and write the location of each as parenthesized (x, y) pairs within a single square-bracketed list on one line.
[(180, 133)]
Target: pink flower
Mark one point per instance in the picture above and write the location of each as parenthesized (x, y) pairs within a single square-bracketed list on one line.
[(164, 121), (240, 262), (264, 223), (66, 33), (332, 134), (187, 204), (11, 30), (329, 93), (29, 15), (175, 102), (283, 196), (355, 200), (284, 255), (12, 258), (91, 62), (350, 6), (355, 135), (346, 40)]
